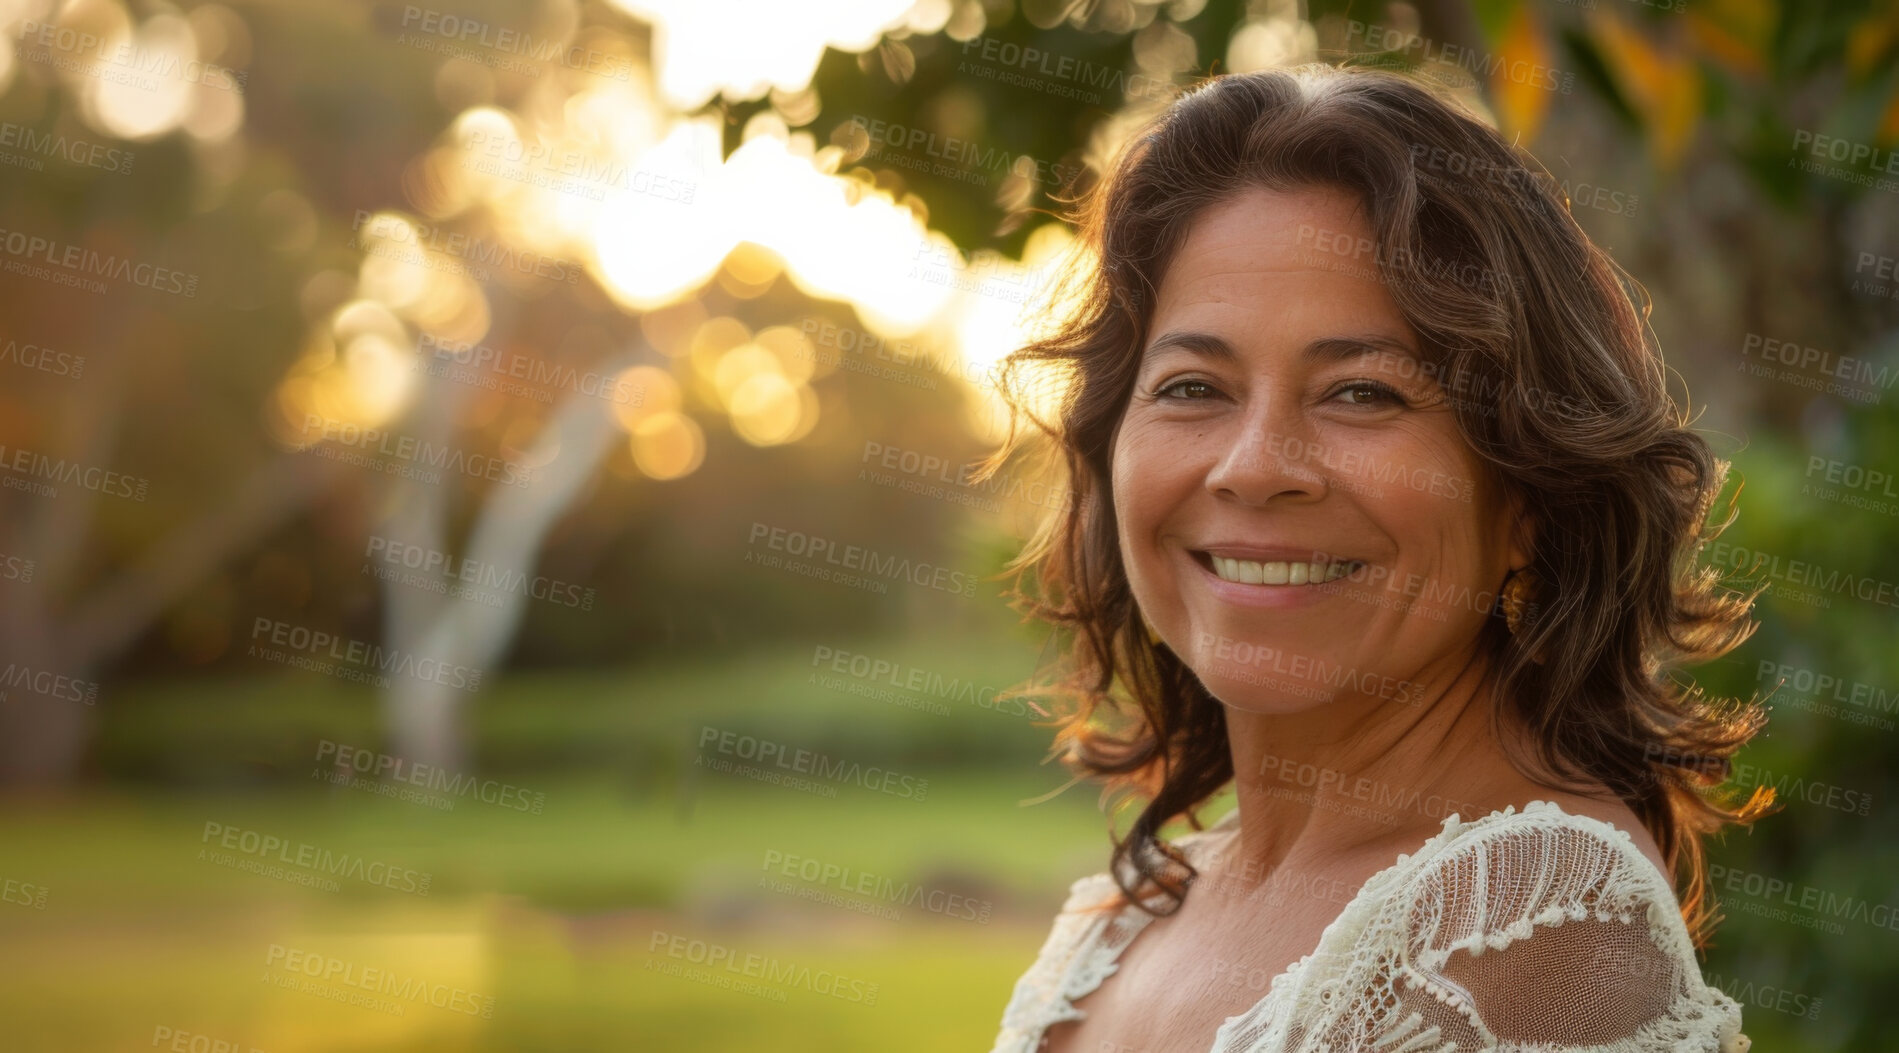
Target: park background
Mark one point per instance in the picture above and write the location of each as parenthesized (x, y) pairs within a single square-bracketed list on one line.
[(323, 311)]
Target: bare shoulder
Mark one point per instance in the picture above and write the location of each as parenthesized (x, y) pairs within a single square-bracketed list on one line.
[(1622, 817)]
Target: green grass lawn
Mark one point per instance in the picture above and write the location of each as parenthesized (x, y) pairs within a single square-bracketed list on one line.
[(552, 916), (150, 934)]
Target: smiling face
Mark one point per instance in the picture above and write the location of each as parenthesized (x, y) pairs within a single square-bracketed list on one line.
[(1299, 515)]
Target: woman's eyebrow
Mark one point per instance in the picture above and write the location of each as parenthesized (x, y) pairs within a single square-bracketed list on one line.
[(1324, 349)]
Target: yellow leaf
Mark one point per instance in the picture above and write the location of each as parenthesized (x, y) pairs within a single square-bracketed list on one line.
[(1889, 122), (1869, 42), (1662, 85), (1676, 110), (1736, 33), (1523, 76)]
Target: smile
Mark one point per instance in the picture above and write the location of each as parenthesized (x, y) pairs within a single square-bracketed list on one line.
[(1277, 572)]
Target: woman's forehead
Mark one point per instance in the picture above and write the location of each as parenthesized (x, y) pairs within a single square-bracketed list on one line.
[(1300, 261)]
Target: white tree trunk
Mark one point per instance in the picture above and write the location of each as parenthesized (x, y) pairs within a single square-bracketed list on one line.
[(425, 717)]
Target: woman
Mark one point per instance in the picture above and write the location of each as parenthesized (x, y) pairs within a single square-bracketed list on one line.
[(1385, 516)]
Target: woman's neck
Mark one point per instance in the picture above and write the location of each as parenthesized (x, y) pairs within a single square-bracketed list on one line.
[(1361, 771)]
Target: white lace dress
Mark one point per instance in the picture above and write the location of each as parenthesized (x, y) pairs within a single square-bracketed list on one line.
[(1458, 946)]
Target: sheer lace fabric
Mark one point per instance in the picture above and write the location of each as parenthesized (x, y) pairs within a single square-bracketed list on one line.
[(1537, 931)]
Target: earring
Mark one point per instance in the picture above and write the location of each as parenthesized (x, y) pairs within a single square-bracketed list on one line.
[(1153, 637), (1518, 589)]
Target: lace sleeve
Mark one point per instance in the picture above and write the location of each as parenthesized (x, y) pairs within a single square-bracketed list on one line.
[(1552, 935), (1063, 969)]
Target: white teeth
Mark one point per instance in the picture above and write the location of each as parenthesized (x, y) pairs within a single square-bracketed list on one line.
[(1248, 572)]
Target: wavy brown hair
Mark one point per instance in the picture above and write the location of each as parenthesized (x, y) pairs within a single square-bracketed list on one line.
[(1566, 402)]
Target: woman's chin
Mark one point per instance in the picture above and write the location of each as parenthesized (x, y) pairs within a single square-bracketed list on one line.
[(1275, 697), (1278, 685)]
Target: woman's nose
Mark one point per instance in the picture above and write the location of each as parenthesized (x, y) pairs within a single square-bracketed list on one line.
[(1262, 463)]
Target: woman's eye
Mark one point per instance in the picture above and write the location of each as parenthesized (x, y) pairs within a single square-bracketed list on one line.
[(1369, 393), (1180, 388)]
